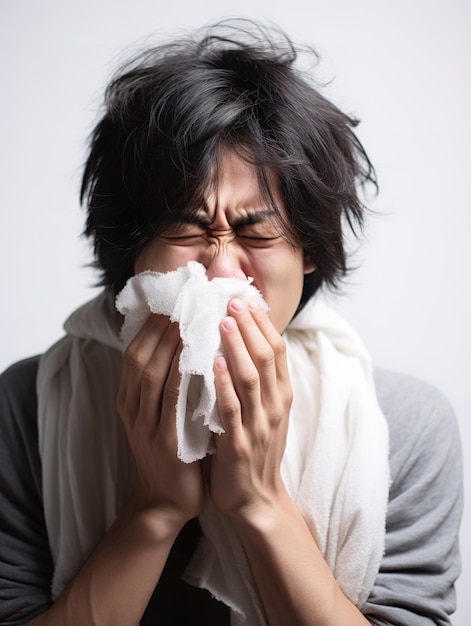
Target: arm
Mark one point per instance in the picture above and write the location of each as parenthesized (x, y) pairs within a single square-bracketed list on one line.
[(254, 398), (115, 584), (117, 581), (25, 560), (415, 583)]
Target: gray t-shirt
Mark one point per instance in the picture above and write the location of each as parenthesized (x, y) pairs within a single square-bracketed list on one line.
[(415, 585)]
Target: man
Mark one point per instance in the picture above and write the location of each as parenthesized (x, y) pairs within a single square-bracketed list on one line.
[(216, 151)]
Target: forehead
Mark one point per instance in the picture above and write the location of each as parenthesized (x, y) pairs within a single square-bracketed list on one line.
[(236, 189)]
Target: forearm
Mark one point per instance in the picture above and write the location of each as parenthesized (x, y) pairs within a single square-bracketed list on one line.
[(115, 584), (294, 582)]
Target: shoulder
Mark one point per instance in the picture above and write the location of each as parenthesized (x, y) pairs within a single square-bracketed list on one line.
[(422, 424), (401, 394), (415, 584), (19, 378), (25, 562), (19, 430), (18, 401)]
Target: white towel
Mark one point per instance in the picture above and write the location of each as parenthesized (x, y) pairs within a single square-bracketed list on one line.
[(335, 465), (198, 305), (335, 468)]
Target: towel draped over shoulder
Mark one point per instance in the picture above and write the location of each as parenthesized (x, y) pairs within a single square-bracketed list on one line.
[(335, 465)]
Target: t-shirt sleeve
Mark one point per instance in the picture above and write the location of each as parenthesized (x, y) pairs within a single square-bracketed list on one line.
[(415, 584), (25, 561)]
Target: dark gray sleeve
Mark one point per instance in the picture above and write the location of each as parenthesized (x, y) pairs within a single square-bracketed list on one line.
[(415, 585), (25, 561)]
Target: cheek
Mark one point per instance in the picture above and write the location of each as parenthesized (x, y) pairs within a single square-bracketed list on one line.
[(160, 257), (281, 281), (284, 302)]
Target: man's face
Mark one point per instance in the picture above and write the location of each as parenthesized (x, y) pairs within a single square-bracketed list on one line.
[(236, 235)]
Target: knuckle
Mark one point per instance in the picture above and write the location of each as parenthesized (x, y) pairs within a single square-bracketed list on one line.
[(231, 410), (251, 381), (267, 358), (279, 347), (276, 418), (150, 376), (261, 438), (240, 449), (133, 358)]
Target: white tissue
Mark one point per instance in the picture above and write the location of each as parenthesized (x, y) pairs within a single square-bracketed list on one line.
[(198, 305)]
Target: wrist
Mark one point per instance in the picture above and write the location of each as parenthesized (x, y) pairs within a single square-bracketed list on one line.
[(155, 521), (264, 515)]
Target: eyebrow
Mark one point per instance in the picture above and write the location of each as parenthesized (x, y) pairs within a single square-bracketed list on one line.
[(253, 216)]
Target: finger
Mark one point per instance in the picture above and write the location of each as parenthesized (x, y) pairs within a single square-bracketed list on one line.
[(228, 403), (135, 360), (170, 392), (274, 339), (160, 369), (259, 348), (268, 350), (244, 374)]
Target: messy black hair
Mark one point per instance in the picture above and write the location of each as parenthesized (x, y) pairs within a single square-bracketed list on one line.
[(170, 110)]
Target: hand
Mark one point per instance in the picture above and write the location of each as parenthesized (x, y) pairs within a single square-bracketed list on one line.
[(254, 399), (146, 402)]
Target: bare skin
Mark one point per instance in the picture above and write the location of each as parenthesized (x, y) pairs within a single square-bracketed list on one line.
[(254, 399)]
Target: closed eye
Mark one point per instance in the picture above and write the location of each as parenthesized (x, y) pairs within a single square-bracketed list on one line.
[(259, 238), (254, 234), (178, 237), (183, 231), (265, 231), (253, 241)]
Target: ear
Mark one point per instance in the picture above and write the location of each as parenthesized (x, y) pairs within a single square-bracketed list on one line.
[(309, 265)]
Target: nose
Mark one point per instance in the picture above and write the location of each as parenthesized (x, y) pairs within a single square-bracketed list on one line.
[(224, 263)]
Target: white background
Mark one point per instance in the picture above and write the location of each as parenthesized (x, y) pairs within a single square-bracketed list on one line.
[(403, 67)]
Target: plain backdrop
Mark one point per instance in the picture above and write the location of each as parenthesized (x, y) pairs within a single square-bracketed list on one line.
[(402, 67)]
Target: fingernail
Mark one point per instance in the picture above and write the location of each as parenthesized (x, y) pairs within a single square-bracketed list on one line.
[(220, 364), (229, 323), (253, 306), (238, 305)]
